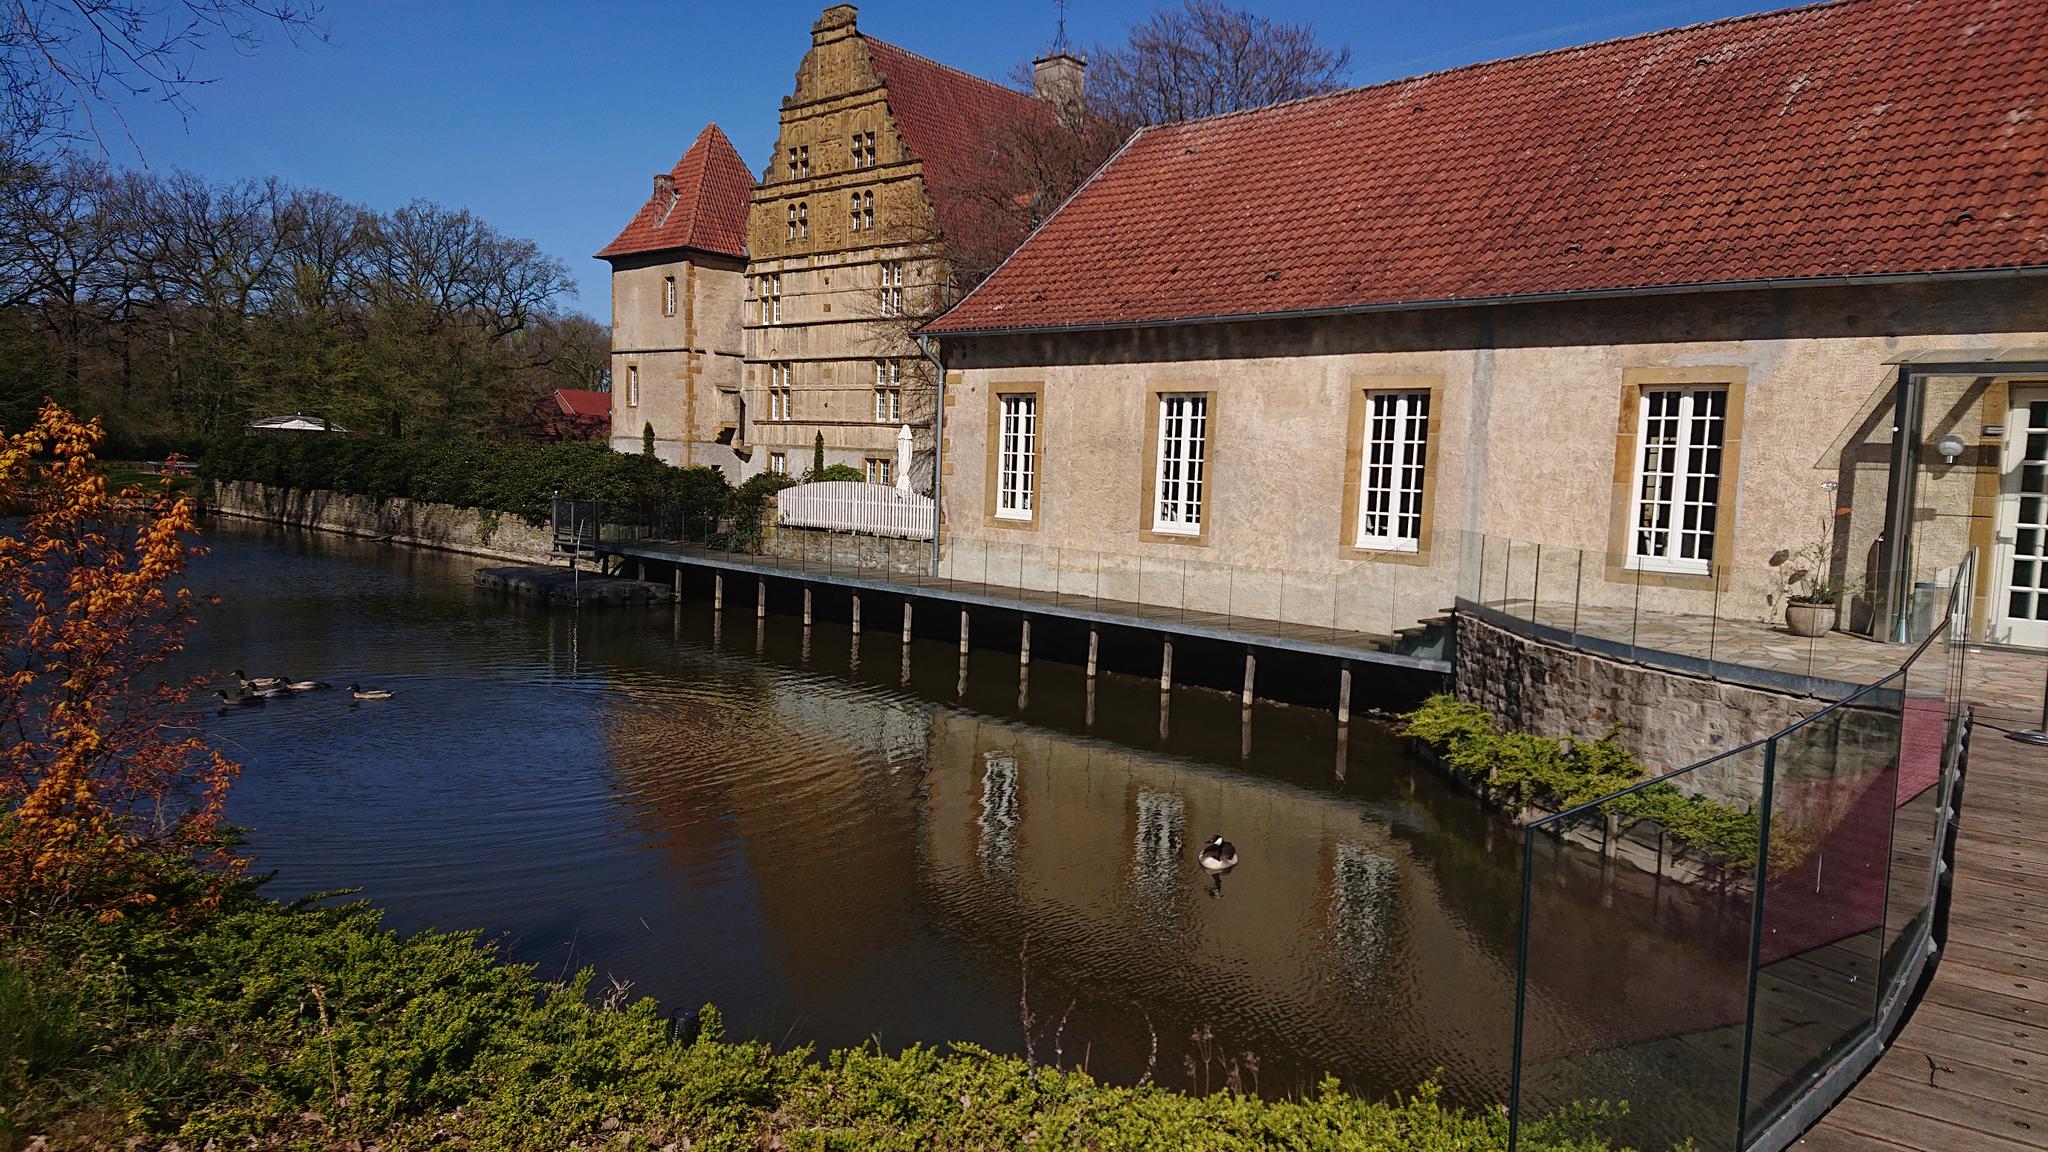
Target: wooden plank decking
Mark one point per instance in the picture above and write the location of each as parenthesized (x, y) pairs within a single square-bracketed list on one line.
[(1969, 1071)]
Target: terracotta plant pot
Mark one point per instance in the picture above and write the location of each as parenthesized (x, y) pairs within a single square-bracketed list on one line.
[(1809, 619)]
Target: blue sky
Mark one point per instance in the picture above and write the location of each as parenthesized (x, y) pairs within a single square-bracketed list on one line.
[(548, 119)]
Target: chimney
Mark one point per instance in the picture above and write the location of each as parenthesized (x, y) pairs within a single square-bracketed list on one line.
[(664, 185), (1058, 78), (837, 23)]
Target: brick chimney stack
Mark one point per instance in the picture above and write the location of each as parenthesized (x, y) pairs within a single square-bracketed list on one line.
[(664, 185)]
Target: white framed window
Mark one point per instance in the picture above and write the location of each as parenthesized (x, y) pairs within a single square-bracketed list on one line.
[(1016, 456), (864, 150), (880, 469), (632, 385), (803, 160), (778, 391), (790, 213), (867, 211), (1678, 478), (771, 297), (1393, 464), (668, 296), (778, 463), (892, 287), (1183, 456), (888, 391), (856, 211), (803, 220), (793, 173)]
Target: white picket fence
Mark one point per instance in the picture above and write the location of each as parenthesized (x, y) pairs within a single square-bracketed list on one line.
[(856, 506)]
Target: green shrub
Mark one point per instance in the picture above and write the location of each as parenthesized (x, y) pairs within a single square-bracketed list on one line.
[(270, 1025), (505, 475), (1526, 771), (836, 472)]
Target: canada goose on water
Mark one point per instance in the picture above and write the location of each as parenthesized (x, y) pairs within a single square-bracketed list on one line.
[(362, 693), (1218, 855), (258, 682)]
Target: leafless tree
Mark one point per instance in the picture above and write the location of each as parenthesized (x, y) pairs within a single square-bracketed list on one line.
[(66, 66), (1204, 58)]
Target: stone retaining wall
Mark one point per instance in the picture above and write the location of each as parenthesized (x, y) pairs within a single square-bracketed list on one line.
[(848, 549), (471, 531), (1667, 718)]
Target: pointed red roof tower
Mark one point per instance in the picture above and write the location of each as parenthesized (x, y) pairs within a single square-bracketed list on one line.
[(700, 204)]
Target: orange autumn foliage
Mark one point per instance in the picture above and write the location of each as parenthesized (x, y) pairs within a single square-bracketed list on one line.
[(107, 794)]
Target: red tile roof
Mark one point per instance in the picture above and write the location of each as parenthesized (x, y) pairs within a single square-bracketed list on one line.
[(707, 209), (584, 403), (1859, 138), (953, 122)]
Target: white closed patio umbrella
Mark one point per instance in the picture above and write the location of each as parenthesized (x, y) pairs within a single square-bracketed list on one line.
[(903, 459)]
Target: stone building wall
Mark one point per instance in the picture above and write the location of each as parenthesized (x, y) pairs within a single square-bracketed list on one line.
[(688, 364), (868, 553)]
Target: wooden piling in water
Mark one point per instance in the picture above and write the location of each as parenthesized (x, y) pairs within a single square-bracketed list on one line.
[(856, 614), (1024, 645), (1094, 642), (679, 583), (1166, 667), (1344, 694), (963, 632), (718, 591), (807, 606), (906, 625), (1251, 665), (760, 599)]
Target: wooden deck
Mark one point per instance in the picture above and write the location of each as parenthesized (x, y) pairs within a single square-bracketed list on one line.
[(1969, 1071)]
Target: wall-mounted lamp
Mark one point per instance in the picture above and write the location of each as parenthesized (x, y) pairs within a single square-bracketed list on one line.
[(1950, 447)]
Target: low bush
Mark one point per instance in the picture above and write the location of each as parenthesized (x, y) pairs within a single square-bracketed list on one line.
[(1527, 771), (512, 476), (268, 1025)]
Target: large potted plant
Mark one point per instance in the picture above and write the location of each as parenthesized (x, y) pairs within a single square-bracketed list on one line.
[(1812, 595)]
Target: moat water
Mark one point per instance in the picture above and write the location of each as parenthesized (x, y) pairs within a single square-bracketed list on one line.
[(783, 825)]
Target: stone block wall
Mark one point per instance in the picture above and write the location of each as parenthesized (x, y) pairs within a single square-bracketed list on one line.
[(848, 549), (471, 531), (1667, 718)]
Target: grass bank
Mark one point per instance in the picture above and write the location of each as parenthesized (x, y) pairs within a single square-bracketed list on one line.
[(273, 1026)]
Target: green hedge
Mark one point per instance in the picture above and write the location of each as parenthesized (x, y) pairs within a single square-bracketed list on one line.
[(512, 476), (272, 1026), (1527, 770)]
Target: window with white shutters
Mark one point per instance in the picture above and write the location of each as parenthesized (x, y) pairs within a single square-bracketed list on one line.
[(1016, 456), (1179, 469), (1394, 459), (1678, 479)]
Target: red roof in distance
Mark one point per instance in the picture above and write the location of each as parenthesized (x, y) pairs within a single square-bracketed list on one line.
[(1856, 138), (704, 208), (584, 403)]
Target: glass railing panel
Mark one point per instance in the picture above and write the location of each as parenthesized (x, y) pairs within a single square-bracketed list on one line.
[(1923, 745), (1835, 785), (1555, 580), (1637, 944)]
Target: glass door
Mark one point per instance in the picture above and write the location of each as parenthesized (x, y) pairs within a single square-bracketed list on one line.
[(2021, 607)]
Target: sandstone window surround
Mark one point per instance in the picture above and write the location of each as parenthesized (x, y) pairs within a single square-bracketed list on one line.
[(778, 390), (800, 162), (1179, 465), (892, 287), (888, 391), (668, 296), (1389, 485), (879, 469), (862, 209), (771, 298), (864, 155), (1015, 454), (778, 463), (1677, 465), (632, 385)]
